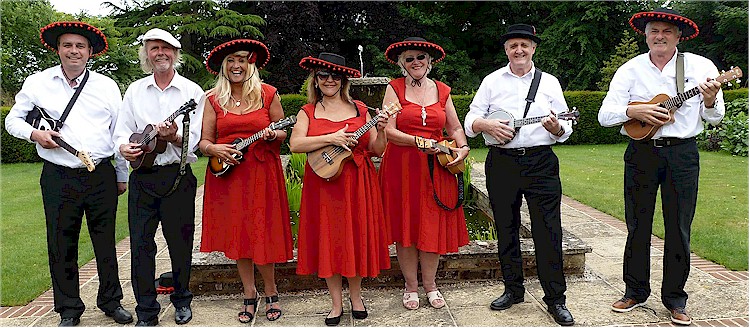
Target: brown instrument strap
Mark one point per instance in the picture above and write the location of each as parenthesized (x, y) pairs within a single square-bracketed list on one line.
[(680, 76)]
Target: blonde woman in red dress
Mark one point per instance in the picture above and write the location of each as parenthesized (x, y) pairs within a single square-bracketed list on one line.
[(422, 229), (342, 229), (245, 210)]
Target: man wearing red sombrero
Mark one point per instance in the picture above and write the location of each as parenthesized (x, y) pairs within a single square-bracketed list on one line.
[(165, 191), (522, 165), (72, 185), (668, 160)]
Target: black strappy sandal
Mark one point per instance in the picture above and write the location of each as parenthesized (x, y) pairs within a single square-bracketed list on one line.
[(270, 300), (245, 303)]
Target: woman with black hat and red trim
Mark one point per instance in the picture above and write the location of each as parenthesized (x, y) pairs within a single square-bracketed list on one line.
[(342, 229), (422, 229), (245, 210), (669, 160)]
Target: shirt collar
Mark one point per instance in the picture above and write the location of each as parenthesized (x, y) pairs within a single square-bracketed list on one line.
[(671, 63), (177, 82), (58, 73), (506, 70)]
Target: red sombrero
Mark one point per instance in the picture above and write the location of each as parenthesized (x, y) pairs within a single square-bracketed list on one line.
[(329, 61), (259, 54), (688, 27), (51, 32), (394, 50)]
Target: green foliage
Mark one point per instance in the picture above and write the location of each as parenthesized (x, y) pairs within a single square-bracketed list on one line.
[(15, 150), (734, 135), (297, 163), (626, 50), (731, 134)]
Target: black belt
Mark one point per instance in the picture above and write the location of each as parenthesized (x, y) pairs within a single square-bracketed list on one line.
[(155, 168), (521, 151), (666, 141)]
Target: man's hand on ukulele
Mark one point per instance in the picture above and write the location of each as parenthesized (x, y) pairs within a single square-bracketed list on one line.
[(709, 89), (648, 113), (167, 132), (551, 124), (130, 151), (500, 130), (44, 138)]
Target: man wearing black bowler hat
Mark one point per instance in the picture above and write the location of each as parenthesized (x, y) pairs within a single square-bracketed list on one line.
[(521, 163), (668, 160)]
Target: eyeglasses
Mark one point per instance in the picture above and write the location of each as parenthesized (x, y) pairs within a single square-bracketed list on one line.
[(322, 75), (411, 59)]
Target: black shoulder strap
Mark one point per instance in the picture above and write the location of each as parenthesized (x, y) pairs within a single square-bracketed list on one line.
[(73, 100), (532, 90)]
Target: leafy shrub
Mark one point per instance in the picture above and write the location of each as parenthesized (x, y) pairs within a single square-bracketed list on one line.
[(731, 134), (15, 150)]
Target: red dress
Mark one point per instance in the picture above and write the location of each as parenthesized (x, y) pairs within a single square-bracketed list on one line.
[(342, 229), (415, 218), (245, 210)]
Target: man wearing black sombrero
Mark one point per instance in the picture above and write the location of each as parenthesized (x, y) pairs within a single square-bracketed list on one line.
[(71, 185), (668, 160), (521, 164)]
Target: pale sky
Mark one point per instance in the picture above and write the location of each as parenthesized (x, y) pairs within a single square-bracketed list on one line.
[(92, 7)]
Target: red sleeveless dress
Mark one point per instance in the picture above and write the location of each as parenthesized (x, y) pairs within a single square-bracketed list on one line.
[(342, 229), (245, 210), (414, 216)]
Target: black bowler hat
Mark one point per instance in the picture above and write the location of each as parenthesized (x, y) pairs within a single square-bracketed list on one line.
[(331, 62), (524, 31), (414, 43), (688, 27)]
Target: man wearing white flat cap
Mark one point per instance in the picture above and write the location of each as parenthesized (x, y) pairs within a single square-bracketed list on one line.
[(163, 190)]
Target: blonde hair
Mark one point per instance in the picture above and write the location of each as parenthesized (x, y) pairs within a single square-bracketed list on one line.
[(314, 95), (146, 64), (402, 62), (251, 88)]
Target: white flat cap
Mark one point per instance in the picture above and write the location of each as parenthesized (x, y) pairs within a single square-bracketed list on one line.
[(159, 34)]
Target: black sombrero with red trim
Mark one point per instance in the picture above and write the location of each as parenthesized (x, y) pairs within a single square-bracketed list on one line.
[(259, 53), (51, 32), (414, 43), (688, 27), (329, 61)]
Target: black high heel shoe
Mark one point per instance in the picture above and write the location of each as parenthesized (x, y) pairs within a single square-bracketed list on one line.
[(359, 314), (335, 320)]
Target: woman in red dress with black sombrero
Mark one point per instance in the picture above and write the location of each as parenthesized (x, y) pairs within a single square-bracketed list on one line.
[(421, 200), (342, 229), (245, 210)]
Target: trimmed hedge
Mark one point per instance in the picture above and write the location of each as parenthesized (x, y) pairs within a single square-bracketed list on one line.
[(587, 131)]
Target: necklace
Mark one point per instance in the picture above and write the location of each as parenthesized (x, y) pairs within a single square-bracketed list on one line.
[(72, 82), (424, 111), (236, 102)]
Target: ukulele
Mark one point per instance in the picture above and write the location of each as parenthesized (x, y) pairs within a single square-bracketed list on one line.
[(218, 166), (445, 155), (517, 124), (48, 123), (328, 162), (640, 130), (151, 145)]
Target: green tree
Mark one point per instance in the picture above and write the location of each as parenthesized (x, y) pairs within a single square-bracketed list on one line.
[(200, 26), (625, 50)]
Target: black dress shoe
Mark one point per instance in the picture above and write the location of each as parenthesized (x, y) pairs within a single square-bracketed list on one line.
[(69, 322), (335, 320), (120, 315), (561, 314), (357, 314), (183, 315), (505, 301), (147, 323)]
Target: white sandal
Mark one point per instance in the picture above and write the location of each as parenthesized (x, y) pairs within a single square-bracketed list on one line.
[(411, 297), (433, 296)]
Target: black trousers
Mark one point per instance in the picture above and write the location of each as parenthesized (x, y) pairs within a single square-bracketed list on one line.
[(68, 194), (675, 170), (534, 175), (176, 213)]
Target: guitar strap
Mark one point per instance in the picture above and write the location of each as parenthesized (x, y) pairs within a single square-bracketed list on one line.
[(532, 90), (680, 76), (57, 124), (183, 157), (460, 201)]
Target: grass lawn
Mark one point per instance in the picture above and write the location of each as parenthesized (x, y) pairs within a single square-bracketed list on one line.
[(593, 175), (23, 237)]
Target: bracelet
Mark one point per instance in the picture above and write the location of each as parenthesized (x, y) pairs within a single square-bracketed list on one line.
[(205, 149), (464, 146), (561, 132)]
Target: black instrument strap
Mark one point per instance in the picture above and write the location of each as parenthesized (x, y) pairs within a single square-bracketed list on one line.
[(73, 100), (532, 91), (460, 201)]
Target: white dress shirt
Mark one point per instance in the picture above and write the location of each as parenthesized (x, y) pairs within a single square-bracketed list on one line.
[(89, 125), (504, 90), (640, 80), (145, 103)]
